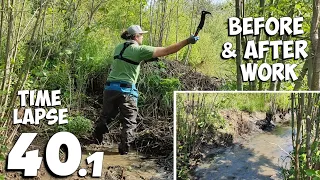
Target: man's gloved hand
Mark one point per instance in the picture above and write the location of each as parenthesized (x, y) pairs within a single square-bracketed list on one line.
[(193, 39)]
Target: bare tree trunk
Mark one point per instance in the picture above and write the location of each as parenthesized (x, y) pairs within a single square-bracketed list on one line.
[(151, 21), (310, 71), (1, 26), (308, 132), (191, 122), (15, 52), (315, 25), (162, 26), (292, 118), (8, 48), (168, 26), (316, 70), (23, 75), (314, 65), (273, 84), (285, 38), (304, 70), (186, 58), (317, 135), (261, 14), (156, 25), (140, 12), (177, 27), (264, 60), (298, 135), (278, 85), (317, 124), (238, 47)]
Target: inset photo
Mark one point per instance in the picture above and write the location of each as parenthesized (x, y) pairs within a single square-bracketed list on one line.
[(245, 136)]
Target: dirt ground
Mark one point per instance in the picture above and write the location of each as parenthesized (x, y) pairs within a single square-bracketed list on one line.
[(133, 166), (241, 123)]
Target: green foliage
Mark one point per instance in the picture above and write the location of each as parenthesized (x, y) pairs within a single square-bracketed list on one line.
[(252, 102), (153, 84), (278, 9), (258, 104), (313, 173), (183, 172), (58, 77), (193, 124), (282, 101), (95, 53), (3, 150), (315, 157), (78, 125), (167, 86), (304, 172)]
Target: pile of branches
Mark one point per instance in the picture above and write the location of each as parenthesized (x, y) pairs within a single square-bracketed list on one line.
[(190, 79), (155, 136)]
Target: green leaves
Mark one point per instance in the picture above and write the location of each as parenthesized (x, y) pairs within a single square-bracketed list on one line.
[(313, 173), (3, 149), (78, 125), (2, 157), (68, 52), (303, 157), (297, 6), (201, 124)]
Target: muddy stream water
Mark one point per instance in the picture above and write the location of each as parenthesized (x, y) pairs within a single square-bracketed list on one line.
[(260, 157), (132, 166)]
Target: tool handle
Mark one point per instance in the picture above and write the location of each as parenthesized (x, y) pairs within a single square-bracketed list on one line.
[(197, 32)]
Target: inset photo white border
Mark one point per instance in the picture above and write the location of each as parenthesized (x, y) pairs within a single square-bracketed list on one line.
[(213, 92)]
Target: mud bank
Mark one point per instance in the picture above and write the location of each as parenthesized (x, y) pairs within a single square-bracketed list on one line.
[(242, 124), (133, 166), (254, 154)]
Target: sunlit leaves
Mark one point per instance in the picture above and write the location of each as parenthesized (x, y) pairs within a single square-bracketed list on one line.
[(313, 173)]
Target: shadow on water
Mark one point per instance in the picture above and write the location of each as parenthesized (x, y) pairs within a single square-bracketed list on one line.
[(260, 157)]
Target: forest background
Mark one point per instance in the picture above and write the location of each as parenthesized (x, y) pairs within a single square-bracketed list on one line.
[(68, 45)]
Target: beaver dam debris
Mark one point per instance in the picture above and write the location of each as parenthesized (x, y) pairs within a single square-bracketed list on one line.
[(188, 76)]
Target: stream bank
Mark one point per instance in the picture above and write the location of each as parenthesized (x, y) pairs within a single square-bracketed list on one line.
[(254, 154), (134, 166)]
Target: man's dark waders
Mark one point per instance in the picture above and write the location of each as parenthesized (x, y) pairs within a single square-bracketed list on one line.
[(119, 96)]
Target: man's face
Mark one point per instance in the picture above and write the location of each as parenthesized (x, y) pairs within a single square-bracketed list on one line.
[(139, 38)]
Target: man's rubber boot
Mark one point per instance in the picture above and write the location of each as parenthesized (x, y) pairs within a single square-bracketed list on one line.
[(99, 131), (98, 136), (123, 149)]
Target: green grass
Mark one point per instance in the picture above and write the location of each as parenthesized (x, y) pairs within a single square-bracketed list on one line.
[(250, 102)]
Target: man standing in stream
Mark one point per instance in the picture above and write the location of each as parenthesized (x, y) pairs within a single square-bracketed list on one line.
[(120, 93)]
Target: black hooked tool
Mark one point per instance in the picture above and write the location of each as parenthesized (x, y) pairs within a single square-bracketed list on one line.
[(203, 17)]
